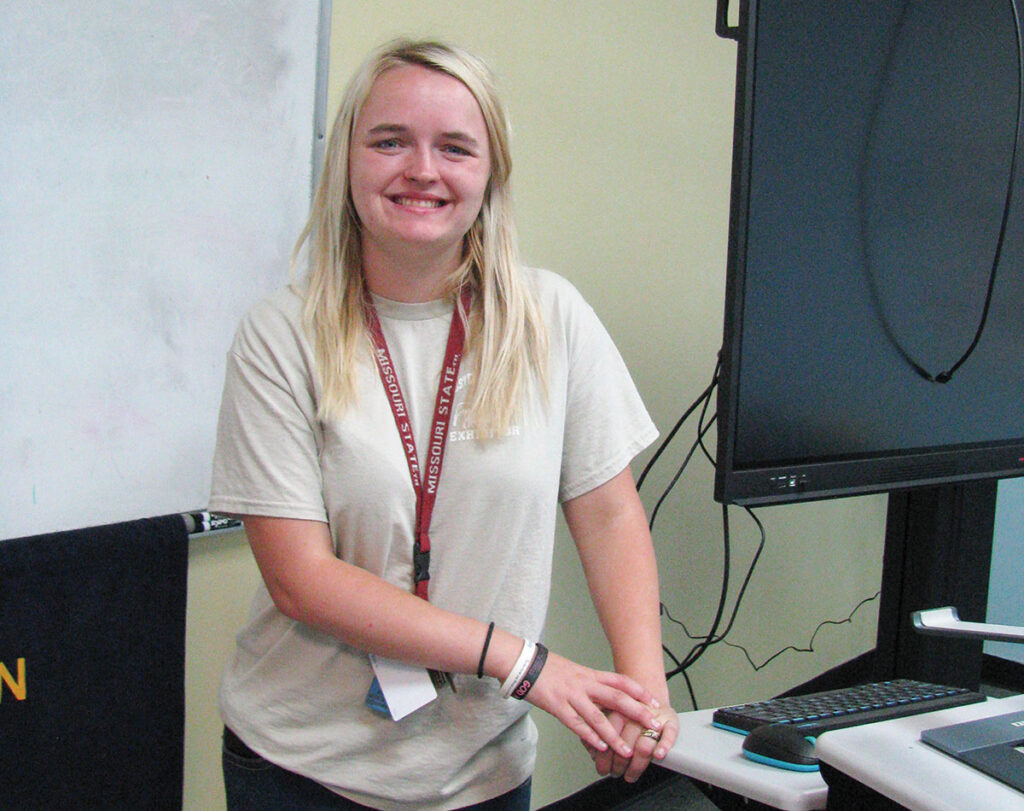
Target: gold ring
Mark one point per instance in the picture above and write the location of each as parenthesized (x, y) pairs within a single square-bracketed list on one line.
[(653, 734)]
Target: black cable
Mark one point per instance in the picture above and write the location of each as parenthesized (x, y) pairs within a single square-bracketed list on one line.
[(810, 645), (946, 376), (704, 397), (698, 650), (703, 402), (665, 648), (665, 612), (676, 476), (943, 377), (756, 667), (746, 580), (713, 638), (689, 689), (680, 666), (747, 577)]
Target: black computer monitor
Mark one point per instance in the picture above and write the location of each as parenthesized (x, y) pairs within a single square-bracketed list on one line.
[(876, 249)]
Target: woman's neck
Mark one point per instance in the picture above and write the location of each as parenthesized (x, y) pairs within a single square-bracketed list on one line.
[(408, 278)]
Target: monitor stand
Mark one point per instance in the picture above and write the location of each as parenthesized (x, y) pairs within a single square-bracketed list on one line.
[(938, 550)]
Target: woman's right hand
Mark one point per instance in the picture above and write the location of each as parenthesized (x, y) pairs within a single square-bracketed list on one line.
[(580, 697)]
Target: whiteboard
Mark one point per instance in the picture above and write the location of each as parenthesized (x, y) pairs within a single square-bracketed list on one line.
[(155, 169)]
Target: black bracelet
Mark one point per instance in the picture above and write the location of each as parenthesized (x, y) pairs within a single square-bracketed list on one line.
[(532, 673), (483, 653)]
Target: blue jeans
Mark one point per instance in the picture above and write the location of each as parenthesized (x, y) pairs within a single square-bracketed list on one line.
[(252, 783)]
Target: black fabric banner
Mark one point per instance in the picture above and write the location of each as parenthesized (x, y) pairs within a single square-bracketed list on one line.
[(92, 678)]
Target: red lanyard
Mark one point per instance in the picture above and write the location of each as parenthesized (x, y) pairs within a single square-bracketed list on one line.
[(426, 489)]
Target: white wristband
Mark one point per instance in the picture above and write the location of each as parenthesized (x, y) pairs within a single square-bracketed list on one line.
[(515, 675)]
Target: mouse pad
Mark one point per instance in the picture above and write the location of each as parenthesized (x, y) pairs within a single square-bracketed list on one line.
[(993, 745)]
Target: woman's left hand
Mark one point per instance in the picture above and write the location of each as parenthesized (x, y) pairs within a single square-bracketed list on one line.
[(645, 748)]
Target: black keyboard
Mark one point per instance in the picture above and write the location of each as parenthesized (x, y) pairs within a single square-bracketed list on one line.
[(846, 707)]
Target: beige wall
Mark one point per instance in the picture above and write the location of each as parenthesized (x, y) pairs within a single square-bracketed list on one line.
[(622, 118), (221, 578)]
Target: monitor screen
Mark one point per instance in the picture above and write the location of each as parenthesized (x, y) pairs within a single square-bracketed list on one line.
[(874, 321)]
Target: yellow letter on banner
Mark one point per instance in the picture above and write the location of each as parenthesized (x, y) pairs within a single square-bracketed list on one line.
[(19, 687)]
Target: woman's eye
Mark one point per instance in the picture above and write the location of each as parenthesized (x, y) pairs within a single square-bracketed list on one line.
[(455, 149), (387, 143)]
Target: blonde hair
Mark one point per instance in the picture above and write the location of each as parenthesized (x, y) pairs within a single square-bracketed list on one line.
[(506, 337)]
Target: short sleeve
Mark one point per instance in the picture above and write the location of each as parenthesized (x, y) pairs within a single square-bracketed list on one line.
[(606, 423), (266, 459)]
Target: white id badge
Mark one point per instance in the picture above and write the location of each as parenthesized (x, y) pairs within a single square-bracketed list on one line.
[(406, 687)]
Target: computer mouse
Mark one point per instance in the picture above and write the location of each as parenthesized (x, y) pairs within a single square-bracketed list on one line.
[(784, 745)]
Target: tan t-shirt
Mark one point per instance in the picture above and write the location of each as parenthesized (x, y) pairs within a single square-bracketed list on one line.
[(296, 695)]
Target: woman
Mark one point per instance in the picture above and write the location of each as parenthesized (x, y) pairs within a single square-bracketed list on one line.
[(400, 502)]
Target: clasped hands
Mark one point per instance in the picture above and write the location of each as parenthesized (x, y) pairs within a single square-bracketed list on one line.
[(618, 720)]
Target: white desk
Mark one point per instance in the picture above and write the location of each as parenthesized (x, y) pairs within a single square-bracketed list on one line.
[(714, 756), (890, 758)]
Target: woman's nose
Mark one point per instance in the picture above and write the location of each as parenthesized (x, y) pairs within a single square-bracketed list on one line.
[(421, 167)]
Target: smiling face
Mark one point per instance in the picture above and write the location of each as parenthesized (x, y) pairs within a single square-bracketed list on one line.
[(418, 168)]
